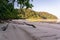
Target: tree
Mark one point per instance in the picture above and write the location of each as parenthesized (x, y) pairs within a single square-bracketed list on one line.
[(7, 10), (3, 9), (24, 3)]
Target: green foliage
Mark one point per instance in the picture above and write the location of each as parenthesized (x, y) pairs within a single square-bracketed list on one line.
[(7, 10), (25, 3)]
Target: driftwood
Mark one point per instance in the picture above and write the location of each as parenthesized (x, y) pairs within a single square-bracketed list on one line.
[(4, 27), (4, 20), (30, 25)]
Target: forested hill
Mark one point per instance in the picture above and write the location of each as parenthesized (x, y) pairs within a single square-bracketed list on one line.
[(28, 13)]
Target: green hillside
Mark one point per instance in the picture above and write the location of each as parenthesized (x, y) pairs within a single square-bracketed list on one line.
[(28, 13), (46, 15)]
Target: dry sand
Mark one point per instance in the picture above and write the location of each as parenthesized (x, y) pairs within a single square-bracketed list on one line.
[(43, 31)]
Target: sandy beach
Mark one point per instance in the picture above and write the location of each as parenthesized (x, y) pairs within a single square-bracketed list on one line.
[(18, 30)]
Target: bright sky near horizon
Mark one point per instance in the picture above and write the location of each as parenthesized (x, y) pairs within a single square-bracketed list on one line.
[(50, 6)]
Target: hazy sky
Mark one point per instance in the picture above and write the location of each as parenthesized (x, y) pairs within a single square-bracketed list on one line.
[(51, 6)]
